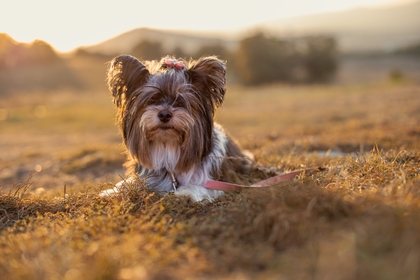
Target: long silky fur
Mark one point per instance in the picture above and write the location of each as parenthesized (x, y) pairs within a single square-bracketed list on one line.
[(190, 145)]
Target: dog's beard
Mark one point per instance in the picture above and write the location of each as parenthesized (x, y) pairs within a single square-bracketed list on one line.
[(164, 155), (162, 142)]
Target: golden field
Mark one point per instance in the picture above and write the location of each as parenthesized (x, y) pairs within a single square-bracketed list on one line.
[(359, 218)]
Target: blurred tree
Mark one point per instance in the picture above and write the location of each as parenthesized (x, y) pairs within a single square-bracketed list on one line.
[(261, 59), (178, 52), (320, 58), (147, 50), (216, 49), (410, 50), (83, 53)]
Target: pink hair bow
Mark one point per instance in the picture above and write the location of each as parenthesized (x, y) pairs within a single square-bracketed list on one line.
[(174, 63)]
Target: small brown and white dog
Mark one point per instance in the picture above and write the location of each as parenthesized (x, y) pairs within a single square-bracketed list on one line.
[(166, 114)]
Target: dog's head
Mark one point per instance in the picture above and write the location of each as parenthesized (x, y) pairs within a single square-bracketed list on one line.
[(170, 103)]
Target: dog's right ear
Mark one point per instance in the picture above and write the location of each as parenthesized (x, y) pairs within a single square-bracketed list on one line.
[(125, 75)]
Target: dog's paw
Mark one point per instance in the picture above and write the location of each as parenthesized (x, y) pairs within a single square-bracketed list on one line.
[(109, 192), (198, 193), (117, 188)]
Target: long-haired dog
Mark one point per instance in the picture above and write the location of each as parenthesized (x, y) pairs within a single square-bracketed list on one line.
[(166, 114)]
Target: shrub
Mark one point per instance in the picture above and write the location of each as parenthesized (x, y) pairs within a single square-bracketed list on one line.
[(148, 50), (261, 59)]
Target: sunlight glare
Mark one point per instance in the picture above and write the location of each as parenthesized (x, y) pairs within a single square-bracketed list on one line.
[(67, 26)]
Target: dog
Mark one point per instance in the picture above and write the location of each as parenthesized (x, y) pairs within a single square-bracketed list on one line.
[(166, 116)]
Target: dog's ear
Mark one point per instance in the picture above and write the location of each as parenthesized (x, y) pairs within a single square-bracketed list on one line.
[(125, 75), (208, 75)]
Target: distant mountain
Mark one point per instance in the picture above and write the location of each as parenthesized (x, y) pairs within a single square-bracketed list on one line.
[(362, 29), (357, 30), (15, 54), (33, 67), (170, 40)]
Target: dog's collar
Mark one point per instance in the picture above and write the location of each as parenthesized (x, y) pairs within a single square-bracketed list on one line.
[(175, 182)]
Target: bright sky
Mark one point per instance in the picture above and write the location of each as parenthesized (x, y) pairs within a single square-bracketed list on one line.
[(69, 24)]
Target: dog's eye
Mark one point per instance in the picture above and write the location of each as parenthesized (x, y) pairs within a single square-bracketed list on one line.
[(179, 103), (153, 100)]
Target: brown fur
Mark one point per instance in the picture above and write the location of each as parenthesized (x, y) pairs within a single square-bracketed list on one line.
[(191, 94), (234, 164)]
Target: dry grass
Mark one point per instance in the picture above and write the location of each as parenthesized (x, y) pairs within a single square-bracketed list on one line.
[(358, 219)]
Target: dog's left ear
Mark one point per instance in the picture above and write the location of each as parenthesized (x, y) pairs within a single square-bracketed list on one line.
[(208, 75), (125, 75)]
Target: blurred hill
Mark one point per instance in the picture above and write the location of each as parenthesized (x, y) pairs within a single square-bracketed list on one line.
[(354, 46), (171, 40), (14, 54), (357, 30), (32, 67)]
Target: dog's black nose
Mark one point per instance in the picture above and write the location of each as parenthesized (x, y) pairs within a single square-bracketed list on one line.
[(164, 116)]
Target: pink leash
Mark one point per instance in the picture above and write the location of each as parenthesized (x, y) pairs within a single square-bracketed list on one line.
[(223, 186)]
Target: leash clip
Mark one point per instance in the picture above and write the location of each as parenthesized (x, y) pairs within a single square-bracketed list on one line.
[(174, 181)]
